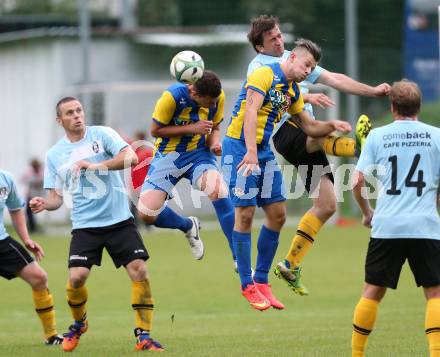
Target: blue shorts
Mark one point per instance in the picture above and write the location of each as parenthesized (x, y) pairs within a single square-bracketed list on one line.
[(167, 170), (258, 189)]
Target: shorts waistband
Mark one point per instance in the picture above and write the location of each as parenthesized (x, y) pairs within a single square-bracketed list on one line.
[(259, 146)]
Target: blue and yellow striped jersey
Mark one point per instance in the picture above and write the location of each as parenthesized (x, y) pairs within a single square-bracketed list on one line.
[(280, 96), (175, 107)]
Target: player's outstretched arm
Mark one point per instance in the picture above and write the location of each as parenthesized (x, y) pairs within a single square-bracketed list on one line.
[(317, 129), (51, 203), (19, 222), (125, 158), (345, 84), (363, 203)]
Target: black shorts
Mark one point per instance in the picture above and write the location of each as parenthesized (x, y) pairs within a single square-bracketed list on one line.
[(122, 241), (13, 258), (385, 258), (290, 142)]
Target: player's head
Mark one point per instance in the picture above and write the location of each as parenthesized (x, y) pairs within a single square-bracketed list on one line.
[(36, 164), (303, 59), (406, 98), (70, 115), (206, 91), (265, 36)]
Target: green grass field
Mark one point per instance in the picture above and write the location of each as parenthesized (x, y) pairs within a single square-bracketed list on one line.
[(211, 318)]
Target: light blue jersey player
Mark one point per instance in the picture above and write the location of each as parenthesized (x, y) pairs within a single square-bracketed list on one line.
[(268, 41), (305, 152), (85, 164), (9, 198), (405, 155), (15, 260), (98, 197), (405, 224)]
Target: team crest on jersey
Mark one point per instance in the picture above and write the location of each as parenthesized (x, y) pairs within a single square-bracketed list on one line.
[(280, 100), (4, 193), (95, 147)]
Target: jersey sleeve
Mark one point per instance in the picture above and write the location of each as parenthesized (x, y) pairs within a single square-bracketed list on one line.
[(367, 157), (219, 114), (260, 80), (14, 201), (164, 109), (112, 141), (51, 178), (253, 66)]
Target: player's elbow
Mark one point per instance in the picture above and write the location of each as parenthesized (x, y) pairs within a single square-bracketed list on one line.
[(154, 132)]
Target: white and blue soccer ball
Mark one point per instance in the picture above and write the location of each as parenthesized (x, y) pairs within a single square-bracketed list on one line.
[(187, 67)]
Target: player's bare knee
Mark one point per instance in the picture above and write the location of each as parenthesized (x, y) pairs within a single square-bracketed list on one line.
[(137, 270), (218, 193), (280, 219), (245, 220), (326, 210), (39, 279), (149, 219), (77, 279)]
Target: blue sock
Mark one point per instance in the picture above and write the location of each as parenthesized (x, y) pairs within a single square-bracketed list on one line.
[(267, 247), (287, 263), (242, 249), (226, 217), (144, 336), (170, 219)]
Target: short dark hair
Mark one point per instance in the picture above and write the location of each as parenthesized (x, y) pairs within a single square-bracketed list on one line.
[(209, 85), (260, 25), (310, 47), (406, 98), (62, 101)]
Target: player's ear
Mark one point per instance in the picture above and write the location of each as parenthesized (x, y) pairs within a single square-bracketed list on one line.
[(191, 90), (293, 55), (259, 48)]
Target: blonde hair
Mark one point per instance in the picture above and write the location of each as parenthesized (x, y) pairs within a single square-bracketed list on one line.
[(406, 98)]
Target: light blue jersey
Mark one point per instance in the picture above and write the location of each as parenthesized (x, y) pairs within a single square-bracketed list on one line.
[(407, 153), (98, 197), (9, 198), (263, 60)]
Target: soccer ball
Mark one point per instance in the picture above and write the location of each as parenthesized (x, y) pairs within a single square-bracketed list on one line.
[(187, 67)]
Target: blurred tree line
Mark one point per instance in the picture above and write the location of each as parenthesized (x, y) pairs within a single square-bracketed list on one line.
[(380, 26), (380, 29)]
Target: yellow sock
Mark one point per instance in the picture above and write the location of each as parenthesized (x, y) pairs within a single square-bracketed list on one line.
[(77, 298), (339, 146), (363, 321), (432, 326), (142, 304), (308, 228), (43, 302)]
